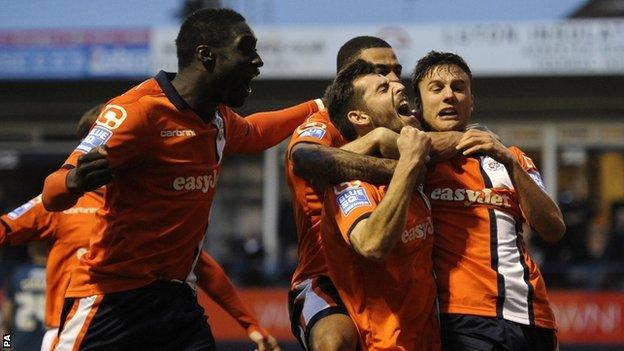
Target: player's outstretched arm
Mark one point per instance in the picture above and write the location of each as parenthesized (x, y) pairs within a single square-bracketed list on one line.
[(29, 222), (214, 282), (260, 131), (540, 210), (375, 236)]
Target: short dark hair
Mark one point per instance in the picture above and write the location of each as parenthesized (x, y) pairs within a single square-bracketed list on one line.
[(206, 26), (352, 48), (342, 97), (434, 59), (87, 120)]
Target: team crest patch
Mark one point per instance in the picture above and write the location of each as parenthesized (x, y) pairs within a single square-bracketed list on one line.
[(112, 117), (16, 213), (313, 132), (98, 136), (493, 165), (351, 196)]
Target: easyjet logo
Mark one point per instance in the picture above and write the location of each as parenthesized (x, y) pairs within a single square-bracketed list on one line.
[(177, 133), (469, 197), (419, 231), (202, 182)]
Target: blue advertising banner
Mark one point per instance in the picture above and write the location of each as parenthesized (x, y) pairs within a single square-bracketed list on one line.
[(75, 53)]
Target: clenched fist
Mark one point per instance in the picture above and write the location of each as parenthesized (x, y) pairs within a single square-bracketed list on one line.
[(413, 145)]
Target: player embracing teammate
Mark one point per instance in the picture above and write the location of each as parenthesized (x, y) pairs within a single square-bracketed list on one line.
[(491, 293)]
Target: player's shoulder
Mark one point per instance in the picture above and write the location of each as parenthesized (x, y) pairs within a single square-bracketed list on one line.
[(515, 150), (226, 116), (525, 161), (139, 99), (318, 128), (320, 117)]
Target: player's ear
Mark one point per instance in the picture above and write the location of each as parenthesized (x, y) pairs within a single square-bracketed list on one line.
[(205, 55), (357, 117)]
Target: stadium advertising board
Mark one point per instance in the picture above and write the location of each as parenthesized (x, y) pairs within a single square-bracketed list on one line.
[(582, 317), (74, 53), (573, 47)]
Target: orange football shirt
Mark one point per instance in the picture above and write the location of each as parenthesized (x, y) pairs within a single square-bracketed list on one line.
[(391, 302), (481, 261), (166, 161), (67, 236), (307, 205)]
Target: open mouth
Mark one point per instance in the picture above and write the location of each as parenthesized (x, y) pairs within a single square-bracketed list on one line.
[(247, 81), (404, 109), (448, 113)]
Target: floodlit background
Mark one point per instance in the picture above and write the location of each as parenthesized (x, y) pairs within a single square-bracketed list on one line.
[(548, 77)]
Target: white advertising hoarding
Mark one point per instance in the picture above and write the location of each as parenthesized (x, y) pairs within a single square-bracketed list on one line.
[(578, 47)]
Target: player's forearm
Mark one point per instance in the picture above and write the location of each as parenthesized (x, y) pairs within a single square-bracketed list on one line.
[(366, 145), (378, 142), (541, 211), (213, 280), (55, 195), (443, 144), (322, 164), (380, 232), (20, 236), (382, 141), (268, 129)]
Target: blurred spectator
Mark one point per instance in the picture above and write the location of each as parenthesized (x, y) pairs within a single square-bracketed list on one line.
[(614, 253), (573, 248), (287, 239), (23, 310), (246, 267), (9, 257), (615, 246)]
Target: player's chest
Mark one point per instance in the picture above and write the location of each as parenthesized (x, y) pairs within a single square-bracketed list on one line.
[(418, 232), (466, 182), (188, 142)]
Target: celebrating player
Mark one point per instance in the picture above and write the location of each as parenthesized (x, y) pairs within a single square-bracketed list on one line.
[(318, 154), (160, 145), (492, 295), (67, 234), (378, 240)]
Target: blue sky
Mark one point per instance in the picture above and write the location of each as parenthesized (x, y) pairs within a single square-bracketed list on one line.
[(15, 14)]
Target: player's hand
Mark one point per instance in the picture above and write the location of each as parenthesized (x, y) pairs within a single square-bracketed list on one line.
[(264, 343), (483, 127), (476, 142), (413, 145), (386, 141), (91, 172)]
